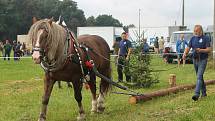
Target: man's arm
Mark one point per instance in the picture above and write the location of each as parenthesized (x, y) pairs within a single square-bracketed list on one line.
[(118, 52), (129, 53), (186, 52), (207, 50)]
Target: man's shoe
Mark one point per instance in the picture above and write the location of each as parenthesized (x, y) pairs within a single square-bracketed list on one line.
[(195, 97), (203, 96)]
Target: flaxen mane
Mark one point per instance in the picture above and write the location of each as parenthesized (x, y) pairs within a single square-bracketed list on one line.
[(54, 43)]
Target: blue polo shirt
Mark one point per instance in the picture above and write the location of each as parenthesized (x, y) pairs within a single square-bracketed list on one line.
[(124, 45), (201, 42)]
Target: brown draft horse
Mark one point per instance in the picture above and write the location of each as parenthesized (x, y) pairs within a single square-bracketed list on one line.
[(50, 37)]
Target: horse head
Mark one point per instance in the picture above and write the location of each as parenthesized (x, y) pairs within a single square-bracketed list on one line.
[(46, 37)]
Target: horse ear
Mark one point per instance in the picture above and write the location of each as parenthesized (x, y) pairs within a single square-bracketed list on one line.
[(34, 20), (50, 21)]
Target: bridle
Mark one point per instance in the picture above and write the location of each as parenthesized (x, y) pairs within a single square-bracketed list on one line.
[(47, 65), (70, 43)]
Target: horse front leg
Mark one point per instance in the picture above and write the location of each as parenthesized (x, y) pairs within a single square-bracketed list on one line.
[(77, 85), (48, 86)]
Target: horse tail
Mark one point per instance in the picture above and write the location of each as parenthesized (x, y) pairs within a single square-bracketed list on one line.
[(105, 86)]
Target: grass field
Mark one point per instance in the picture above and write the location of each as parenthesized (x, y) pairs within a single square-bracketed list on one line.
[(21, 88)]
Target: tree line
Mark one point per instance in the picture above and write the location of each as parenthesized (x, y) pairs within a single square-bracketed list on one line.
[(16, 16)]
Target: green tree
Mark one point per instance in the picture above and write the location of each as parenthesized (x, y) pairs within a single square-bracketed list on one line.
[(16, 15), (91, 21), (69, 11), (107, 20)]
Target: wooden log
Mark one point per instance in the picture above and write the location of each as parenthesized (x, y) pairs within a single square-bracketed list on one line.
[(164, 92)]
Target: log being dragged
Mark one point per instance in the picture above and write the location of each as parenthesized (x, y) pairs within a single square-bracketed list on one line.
[(164, 92)]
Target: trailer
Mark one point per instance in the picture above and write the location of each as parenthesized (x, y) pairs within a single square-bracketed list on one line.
[(108, 33)]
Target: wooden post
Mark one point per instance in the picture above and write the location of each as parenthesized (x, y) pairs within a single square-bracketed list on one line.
[(172, 80)]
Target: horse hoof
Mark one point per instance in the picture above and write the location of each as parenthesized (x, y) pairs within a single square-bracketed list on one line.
[(93, 112), (81, 117)]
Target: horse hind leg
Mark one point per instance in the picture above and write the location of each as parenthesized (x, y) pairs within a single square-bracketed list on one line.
[(77, 85), (104, 87), (92, 84)]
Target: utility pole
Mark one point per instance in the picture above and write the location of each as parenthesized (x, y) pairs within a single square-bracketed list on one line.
[(139, 34), (182, 12)]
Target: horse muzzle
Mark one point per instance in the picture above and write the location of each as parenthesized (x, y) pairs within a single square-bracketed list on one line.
[(36, 57)]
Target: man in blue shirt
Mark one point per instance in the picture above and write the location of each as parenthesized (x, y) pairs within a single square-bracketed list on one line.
[(180, 47), (124, 53), (200, 45)]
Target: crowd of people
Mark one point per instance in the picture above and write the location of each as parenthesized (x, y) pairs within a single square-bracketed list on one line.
[(7, 47)]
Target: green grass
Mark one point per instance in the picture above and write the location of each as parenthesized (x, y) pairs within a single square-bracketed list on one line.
[(21, 88)]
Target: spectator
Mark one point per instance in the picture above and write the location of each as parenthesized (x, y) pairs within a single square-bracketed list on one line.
[(1, 48), (124, 53), (14, 50), (145, 48), (7, 50), (161, 45), (200, 45), (180, 47), (167, 55), (18, 50), (156, 45)]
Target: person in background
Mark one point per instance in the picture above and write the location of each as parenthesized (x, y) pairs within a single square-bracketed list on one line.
[(1, 49), (180, 48), (200, 45), (161, 45), (145, 48), (167, 55), (18, 50), (156, 45), (7, 50), (124, 54), (14, 50)]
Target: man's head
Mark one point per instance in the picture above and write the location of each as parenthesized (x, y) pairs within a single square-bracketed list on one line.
[(182, 37), (7, 41), (198, 31), (124, 36)]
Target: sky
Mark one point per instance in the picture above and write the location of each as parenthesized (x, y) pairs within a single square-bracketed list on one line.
[(154, 13)]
